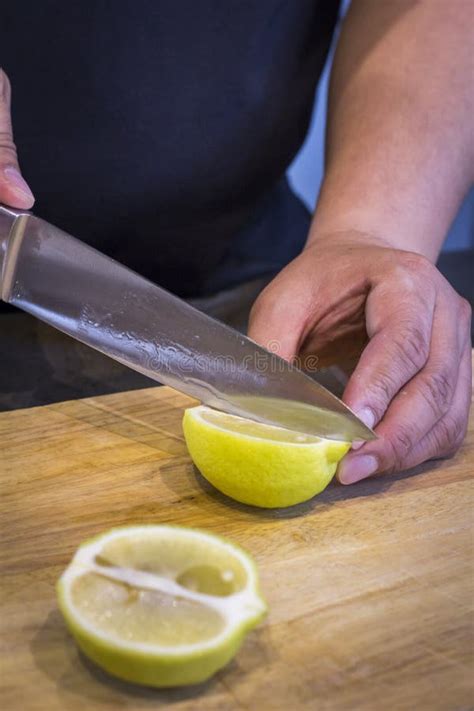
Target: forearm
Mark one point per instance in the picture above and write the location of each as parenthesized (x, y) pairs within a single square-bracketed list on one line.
[(400, 143)]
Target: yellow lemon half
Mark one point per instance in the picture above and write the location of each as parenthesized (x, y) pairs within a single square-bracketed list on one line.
[(259, 464), (160, 605)]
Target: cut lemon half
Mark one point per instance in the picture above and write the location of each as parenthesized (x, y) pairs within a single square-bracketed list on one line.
[(160, 605), (259, 464)]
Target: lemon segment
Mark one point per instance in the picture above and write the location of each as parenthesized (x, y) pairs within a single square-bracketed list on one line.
[(160, 605), (259, 464)]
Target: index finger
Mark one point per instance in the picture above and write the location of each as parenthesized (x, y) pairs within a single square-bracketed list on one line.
[(420, 404), (400, 333)]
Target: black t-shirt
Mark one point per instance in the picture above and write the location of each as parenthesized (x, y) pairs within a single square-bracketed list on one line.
[(160, 131)]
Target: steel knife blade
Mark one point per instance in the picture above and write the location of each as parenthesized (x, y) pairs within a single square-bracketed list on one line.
[(102, 303)]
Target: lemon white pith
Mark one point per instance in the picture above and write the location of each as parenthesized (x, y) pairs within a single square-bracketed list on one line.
[(160, 605), (256, 463)]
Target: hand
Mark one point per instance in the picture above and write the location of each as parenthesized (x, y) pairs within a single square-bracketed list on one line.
[(14, 191), (413, 379)]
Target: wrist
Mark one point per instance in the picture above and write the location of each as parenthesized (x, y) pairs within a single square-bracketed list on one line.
[(351, 207), (349, 238)]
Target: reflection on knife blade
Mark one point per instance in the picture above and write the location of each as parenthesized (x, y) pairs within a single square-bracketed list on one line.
[(107, 306)]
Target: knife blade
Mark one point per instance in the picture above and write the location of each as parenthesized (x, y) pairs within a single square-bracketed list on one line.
[(105, 305)]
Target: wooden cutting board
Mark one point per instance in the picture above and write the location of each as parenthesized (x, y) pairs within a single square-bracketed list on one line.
[(370, 587)]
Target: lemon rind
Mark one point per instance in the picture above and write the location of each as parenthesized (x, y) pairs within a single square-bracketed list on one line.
[(240, 611)]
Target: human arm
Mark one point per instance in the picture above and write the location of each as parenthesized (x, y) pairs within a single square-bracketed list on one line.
[(400, 158)]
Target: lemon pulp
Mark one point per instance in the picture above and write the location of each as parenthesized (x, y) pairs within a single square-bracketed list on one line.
[(160, 605)]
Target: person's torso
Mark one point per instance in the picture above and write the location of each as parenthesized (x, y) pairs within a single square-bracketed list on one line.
[(157, 129)]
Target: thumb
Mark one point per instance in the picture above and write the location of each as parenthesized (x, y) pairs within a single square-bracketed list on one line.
[(14, 190), (276, 320)]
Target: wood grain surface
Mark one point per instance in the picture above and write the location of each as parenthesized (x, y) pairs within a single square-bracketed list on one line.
[(370, 587)]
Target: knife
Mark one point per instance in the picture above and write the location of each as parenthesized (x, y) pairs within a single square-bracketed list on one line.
[(105, 305)]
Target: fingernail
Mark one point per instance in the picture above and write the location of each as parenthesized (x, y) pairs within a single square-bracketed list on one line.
[(356, 468), (18, 182), (368, 418), (366, 415)]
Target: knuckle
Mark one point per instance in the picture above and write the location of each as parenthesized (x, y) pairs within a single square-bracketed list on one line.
[(399, 444), (412, 346), (382, 390), (417, 263), (437, 389), (409, 355), (449, 435), (4, 85), (6, 144), (8, 154), (405, 276), (415, 277)]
